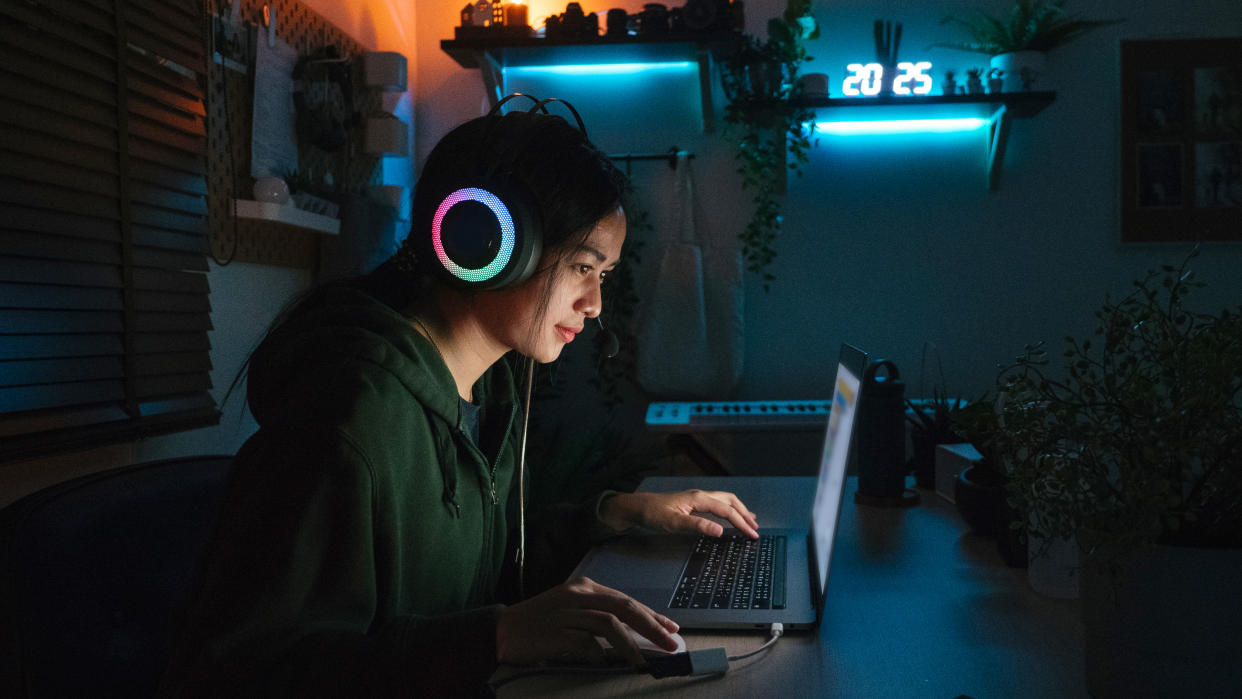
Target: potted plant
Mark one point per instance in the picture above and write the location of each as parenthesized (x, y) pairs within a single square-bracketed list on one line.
[(1135, 448), (995, 80), (974, 82), (1023, 40), (760, 80), (949, 85)]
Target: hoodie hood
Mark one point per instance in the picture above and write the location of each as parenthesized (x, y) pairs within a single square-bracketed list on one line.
[(300, 365)]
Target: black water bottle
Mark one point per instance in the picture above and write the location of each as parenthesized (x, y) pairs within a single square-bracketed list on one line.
[(880, 436)]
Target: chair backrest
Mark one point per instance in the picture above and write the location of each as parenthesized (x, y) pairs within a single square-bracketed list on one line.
[(94, 572)]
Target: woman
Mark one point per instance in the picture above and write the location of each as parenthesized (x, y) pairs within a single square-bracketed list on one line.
[(362, 547)]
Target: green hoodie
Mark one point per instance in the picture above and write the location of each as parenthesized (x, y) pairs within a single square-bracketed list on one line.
[(361, 545)]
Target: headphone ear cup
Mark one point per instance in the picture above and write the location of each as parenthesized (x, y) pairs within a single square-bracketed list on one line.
[(484, 237)]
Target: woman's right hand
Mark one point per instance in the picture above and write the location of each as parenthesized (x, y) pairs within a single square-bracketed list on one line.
[(560, 625)]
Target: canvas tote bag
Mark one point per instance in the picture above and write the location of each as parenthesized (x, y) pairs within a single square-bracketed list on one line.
[(690, 335)]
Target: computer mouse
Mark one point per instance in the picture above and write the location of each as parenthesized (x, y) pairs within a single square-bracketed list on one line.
[(645, 646)]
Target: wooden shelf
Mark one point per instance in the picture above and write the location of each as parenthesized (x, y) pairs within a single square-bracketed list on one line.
[(287, 214), (493, 54)]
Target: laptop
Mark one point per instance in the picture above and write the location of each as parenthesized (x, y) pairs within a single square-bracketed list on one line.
[(664, 571)]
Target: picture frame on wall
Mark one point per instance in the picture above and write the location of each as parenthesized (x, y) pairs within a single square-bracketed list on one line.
[(1181, 140)]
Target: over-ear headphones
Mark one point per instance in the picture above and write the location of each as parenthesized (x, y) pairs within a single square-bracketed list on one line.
[(486, 232)]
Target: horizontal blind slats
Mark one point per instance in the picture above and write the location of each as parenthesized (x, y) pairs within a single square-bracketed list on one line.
[(80, 298), (192, 204), (18, 89), (155, 322), (16, 41), (66, 323), (183, 15), (35, 271), (68, 129), (48, 147), (54, 321), (170, 259), (59, 421), (95, 17), (26, 193), (67, 179), (60, 395), (151, 343), (30, 346), (50, 28), (173, 363), (56, 247), (51, 371), (25, 218), (171, 384)]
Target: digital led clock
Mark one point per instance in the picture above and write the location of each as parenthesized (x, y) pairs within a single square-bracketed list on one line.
[(867, 79)]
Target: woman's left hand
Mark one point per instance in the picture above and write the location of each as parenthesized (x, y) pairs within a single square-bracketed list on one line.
[(677, 512)]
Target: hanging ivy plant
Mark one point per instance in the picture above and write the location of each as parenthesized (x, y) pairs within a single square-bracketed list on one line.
[(760, 80)]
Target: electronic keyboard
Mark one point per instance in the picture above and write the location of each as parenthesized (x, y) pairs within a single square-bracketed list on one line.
[(738, 415)]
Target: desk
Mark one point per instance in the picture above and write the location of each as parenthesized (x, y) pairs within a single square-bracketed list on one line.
[(916, 607)]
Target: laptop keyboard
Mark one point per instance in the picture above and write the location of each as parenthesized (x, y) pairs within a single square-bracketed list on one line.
[(733, 572)]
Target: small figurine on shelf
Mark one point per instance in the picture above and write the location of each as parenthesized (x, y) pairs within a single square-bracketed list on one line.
[(482, 13), (974, 83), (948, 86), (995, 83)]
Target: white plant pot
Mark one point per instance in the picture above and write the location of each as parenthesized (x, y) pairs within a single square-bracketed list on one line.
[(1013, 64)]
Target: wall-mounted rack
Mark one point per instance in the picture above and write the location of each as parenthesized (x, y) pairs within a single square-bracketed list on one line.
[(997, 109), (492, 55)]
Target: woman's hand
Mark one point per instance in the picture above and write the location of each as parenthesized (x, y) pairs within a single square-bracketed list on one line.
[(675, 512), (561, 624)]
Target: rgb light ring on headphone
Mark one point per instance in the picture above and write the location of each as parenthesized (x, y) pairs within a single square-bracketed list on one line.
[(508, 234)]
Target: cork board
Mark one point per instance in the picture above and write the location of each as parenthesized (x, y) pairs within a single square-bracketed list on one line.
[(229, 108)]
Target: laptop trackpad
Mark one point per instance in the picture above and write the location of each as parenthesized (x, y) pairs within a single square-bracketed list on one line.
[(646, 567)]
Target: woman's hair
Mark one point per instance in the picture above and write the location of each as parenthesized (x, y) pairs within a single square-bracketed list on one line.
[(557, 171)]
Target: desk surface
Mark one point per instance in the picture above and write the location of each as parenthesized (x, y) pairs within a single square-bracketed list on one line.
[(916, 607)]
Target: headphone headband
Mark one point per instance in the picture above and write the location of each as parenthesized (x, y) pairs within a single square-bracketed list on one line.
[(540, 105)]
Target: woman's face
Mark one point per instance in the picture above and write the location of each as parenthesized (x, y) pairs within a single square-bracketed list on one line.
[(575, 275)]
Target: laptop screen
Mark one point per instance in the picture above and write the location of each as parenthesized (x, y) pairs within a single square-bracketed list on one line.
[(832, 466)]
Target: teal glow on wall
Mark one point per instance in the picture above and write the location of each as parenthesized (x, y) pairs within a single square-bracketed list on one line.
[(899, 126)]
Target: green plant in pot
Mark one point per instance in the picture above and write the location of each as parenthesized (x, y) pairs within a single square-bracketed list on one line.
[(760, 80), (1019, 43), (1135, 448)]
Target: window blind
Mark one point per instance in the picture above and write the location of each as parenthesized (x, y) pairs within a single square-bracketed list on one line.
[(104, 308)]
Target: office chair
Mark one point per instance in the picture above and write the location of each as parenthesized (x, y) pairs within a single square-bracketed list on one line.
[(94, 572)]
